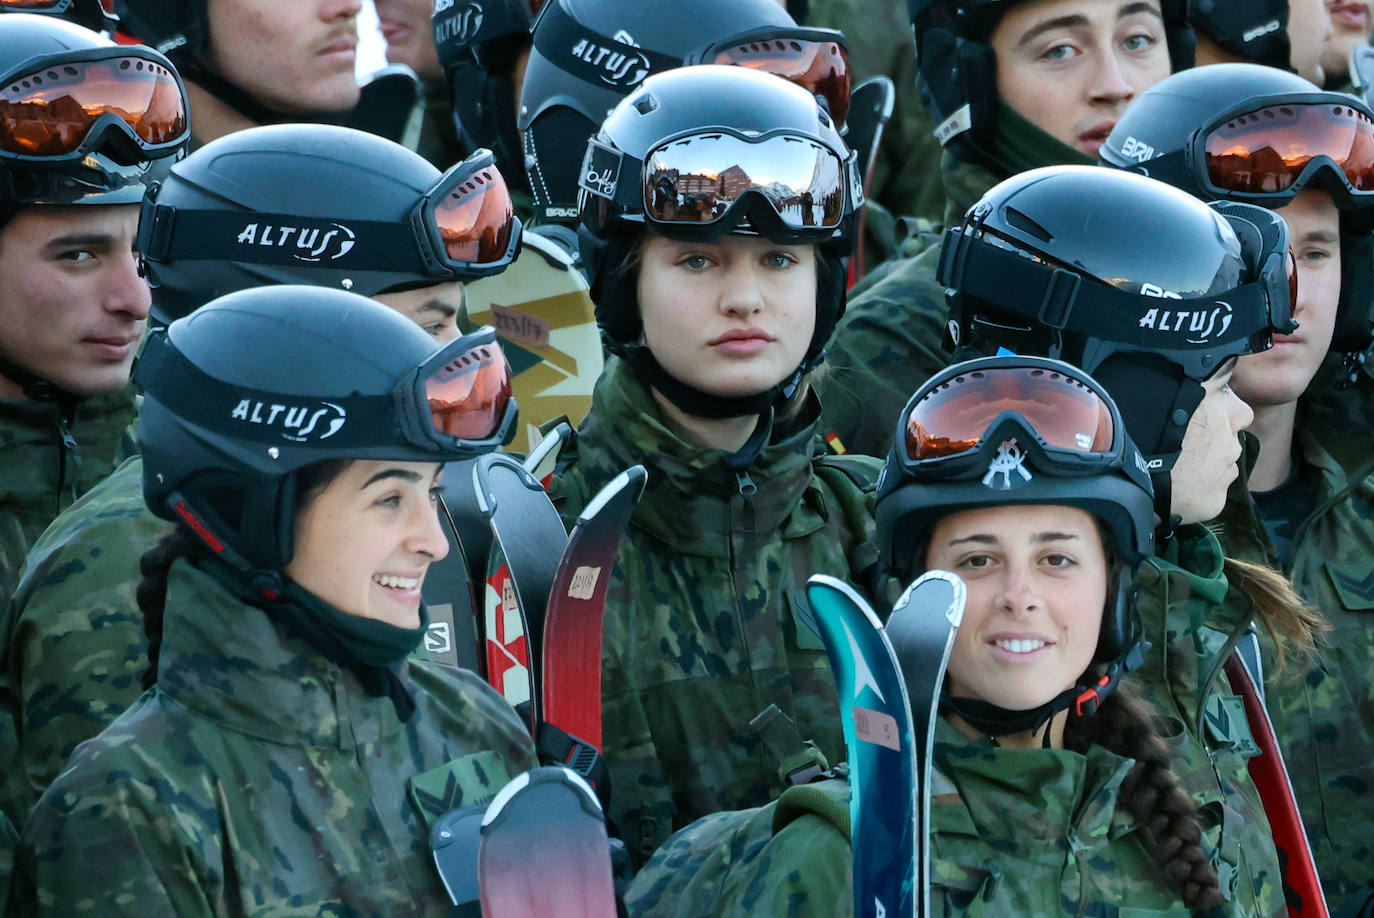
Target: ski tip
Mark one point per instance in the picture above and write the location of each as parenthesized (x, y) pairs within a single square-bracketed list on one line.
[(939, 589), (822, 589), (548, 774), (549, 443), (630, 481)]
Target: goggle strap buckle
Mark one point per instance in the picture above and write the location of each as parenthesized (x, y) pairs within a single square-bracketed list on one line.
[(1060, 293)]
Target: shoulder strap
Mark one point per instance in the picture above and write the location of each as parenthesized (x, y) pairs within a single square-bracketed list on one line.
[(853, 484), (827, 799)]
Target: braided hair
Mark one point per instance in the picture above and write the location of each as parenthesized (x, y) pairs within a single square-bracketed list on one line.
[(1172, 831)]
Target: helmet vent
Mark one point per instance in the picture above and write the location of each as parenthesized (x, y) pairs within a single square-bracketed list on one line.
[(1026, 225)]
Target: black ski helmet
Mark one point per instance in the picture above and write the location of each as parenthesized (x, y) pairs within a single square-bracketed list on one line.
[(115, 157), (588, 54), (1256, 30), (237, 212), (254, 386), (478, 45), (1145, 287), (957, 71), (1012, 430), (89, 14), (1163, 134), (707, 104), (170, 26)]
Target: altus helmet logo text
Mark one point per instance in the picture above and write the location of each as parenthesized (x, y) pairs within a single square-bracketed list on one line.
[(305, 243)]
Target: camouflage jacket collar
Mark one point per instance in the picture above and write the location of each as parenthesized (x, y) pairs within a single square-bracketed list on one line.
[(42, 464), (693, 497), (1028, 801), (964, 184), (1193, 556), (226, 661)]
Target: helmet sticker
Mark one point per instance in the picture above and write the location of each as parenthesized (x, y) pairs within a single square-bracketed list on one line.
[(603, 170), (1010, 458), (297, 423), (304, 243)]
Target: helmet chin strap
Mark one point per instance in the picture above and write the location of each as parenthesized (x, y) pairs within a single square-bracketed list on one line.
[(34, 387)]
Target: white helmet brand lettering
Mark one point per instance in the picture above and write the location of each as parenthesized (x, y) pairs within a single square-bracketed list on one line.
[(1010, 458), (1272, 25), (1154, 290), (461, 27), (1138, 150), (298, 423), (617, 68), (304, 243), (1197, 326)]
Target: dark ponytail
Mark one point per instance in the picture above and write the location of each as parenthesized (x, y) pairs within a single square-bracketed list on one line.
[(1167, 815), (181, 542)]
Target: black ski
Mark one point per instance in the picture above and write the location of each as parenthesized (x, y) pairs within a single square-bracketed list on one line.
[(572, 637), (544, 850), (877, 731), (452, 602), (531, 539), (921, 630)]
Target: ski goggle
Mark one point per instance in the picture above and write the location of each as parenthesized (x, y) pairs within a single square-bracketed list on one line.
[(469, 219), (963, 414), (707, 181), (817, 60), (68, 106), (462, 395), (1267, 154), (96, 15), (463, 228)]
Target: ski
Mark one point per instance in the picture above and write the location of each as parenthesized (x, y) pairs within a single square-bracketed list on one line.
[(546, 809), (449, 596), (572, 630), (1302, 888), (877, 731), (921, 629), (543, 459), (531, 538)]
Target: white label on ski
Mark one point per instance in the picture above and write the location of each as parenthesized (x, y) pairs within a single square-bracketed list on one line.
[(438, 639), (877, 728), (583, 582), (509, 603)]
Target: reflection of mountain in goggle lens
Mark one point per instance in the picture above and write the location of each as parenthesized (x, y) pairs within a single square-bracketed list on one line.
[(468, 394), (50, 112), (954, 418), (697, 179), (474, 219), (1265, 151)]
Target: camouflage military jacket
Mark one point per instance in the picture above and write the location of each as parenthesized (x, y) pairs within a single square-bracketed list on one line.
[(1181, 598), (890, 339), (51, 458), (257, 778), (1015, 832), (1324, 715), (705, 611), (74, 648)]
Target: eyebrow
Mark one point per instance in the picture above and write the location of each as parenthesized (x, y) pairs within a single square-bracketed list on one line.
[(403, 474), (439, 306), (85, 240), (1319, 236), (1078, 21)]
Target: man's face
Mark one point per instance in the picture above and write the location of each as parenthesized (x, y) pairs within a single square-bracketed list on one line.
[(1070, 67), (294, 57), (409, 38), (1281, 374), (72, 306)]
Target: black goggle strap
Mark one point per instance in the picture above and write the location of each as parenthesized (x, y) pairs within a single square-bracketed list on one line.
[(591, 57), (1064, 300), (166, 233), (337, 424)]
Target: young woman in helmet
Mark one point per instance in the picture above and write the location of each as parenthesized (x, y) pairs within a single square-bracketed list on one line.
[(719, 200), (75, 633), (1053, 262), (1306, 510), (277, 761), (1016, 474)]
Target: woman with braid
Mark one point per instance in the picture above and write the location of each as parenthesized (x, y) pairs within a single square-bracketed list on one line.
[(1052, 792)]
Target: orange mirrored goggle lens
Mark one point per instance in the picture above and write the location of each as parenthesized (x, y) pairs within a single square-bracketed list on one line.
[(468, 395), (1264, 151), (955, 417), (819, 67), (51, 111), (475, 218)]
